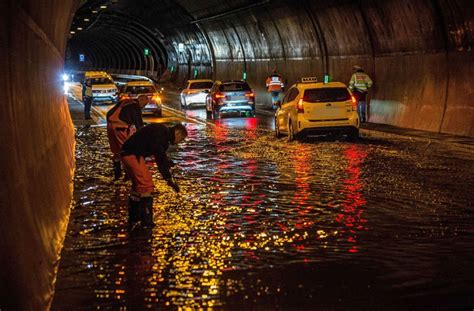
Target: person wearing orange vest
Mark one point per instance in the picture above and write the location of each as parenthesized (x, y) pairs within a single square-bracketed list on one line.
[(123, 120), (275, 86), (360, 84)]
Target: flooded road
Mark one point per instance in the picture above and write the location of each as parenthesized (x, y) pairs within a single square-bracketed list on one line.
[(265, 224)]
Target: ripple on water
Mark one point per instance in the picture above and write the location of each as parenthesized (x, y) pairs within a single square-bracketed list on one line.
[(253, 208)]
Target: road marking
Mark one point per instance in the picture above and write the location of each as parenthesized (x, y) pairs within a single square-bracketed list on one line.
[(183, 115)]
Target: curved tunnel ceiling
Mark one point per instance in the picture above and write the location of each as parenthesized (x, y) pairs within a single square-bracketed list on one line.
[(396, 41)]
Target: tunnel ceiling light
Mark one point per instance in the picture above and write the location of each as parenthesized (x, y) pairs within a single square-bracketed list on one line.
[(86, 19), (79, 28), (103, 6), (72, 32), (95, 12)]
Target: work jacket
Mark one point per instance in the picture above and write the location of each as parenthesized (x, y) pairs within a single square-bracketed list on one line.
[(360, 81), (274, 83), (151, 140), (124, 115)]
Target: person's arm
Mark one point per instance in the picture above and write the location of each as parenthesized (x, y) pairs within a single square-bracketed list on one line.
[(164, 164), (369, 82), (137, 117)]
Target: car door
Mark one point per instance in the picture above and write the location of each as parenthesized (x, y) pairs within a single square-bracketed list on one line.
[(280, 113), (288, 108)]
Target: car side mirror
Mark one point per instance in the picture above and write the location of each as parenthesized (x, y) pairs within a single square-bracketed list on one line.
[(207, 91)]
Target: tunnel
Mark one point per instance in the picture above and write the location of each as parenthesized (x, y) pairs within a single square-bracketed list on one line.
[(419, 54)]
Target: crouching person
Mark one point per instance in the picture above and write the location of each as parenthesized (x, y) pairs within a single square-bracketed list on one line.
[(151, 140)]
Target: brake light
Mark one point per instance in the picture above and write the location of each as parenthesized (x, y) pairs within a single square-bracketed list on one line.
[(299, 105), (125, 96), (251, 94), (219, 95), (354, 103)]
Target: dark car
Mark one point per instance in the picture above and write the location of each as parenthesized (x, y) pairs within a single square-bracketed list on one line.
[(230, 97)]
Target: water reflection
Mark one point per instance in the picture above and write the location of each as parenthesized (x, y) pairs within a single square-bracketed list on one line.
[(262, 223)]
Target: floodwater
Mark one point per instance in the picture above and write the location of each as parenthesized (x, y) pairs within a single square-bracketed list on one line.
[(265, 224)]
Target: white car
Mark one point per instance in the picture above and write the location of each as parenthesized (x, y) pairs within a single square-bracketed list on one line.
[(195, 93), (103, 87), (312, 108)]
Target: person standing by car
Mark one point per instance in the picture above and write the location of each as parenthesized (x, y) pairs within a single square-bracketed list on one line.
[(87, 98), (360, 84), (123, 120), (275, 86), (151, 140)]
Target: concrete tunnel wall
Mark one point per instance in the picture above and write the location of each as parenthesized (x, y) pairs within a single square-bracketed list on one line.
[(37, 150), (419, 53)]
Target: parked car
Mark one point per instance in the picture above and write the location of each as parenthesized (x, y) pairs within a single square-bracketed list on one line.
[(104, 89), (311, 108), (133, 89), (234, 96), (195, 93)]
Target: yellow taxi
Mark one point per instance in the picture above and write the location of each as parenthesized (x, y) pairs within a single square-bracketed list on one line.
[(314, 108)]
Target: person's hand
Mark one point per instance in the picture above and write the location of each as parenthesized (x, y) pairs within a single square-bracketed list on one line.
[(173, 185)]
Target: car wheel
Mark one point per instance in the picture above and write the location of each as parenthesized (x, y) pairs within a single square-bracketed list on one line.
[(277, 129), (291, 131)]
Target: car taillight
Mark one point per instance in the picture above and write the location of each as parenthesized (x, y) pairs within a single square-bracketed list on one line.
[(124, 97), (250, 94), (354, 103), (219, 96), (299, 105), (156, 98)]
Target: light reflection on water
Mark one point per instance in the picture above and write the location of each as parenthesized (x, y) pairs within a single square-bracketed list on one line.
[(263, 222)]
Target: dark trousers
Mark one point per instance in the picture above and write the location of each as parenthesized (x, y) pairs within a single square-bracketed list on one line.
[(87, 107)]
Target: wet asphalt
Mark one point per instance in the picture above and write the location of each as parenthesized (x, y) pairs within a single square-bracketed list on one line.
[(260, 223)]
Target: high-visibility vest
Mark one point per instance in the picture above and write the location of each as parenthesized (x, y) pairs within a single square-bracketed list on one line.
[(88, 91), (360, 81), (274, 83), (113, 120)]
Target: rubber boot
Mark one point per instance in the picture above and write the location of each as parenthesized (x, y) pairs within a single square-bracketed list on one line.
[(146, 212), (117, 169), (133, 213)]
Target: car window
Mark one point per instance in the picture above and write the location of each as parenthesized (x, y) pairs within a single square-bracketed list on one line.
[(293, 94), (237, 86), (326, 95), (101, 81), (200, 85), (140, 89)]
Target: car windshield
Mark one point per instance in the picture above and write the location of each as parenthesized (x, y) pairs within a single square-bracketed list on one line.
[(237, 86), (326, 95), (101, 81), (140, 89), (200, 85)]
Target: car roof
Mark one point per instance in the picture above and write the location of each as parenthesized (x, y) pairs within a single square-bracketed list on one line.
[(233, 81), (93, 74), (318, 85), (139, 83), (200, 80)]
